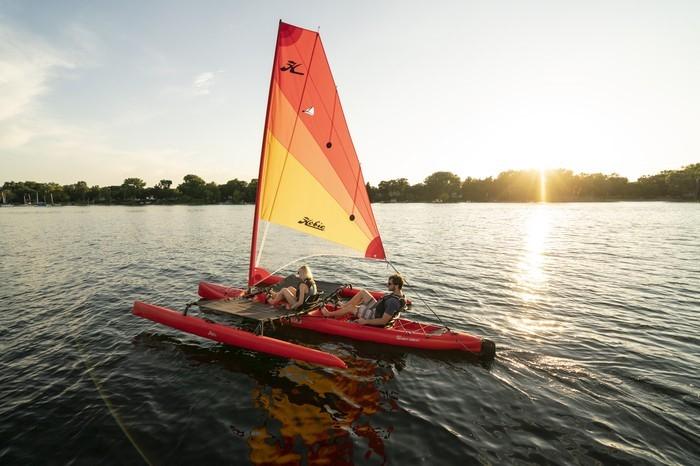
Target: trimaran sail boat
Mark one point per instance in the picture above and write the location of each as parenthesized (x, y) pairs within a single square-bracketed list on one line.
[(311, 199)]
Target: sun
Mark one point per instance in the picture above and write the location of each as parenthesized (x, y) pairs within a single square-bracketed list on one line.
[(543, 185)]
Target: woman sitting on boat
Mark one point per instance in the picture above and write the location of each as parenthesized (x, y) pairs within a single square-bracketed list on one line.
[(368, 310), (295, 297)]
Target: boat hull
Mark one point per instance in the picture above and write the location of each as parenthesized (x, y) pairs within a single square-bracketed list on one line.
[(234, 337), (404, 332)]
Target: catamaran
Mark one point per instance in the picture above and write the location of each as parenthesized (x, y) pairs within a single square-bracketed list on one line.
[(311, 201)]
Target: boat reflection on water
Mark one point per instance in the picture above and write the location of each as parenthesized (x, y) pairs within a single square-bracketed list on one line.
[(323, 415), (308, 414)]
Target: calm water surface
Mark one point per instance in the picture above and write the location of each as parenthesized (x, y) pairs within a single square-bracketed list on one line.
[(595, 309)]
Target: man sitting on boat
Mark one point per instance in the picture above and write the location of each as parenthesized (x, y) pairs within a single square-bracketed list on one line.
[(295, 297), (368, 310)]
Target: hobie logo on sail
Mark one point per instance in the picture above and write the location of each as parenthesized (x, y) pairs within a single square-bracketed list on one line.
[(292, 66), (312, 223)]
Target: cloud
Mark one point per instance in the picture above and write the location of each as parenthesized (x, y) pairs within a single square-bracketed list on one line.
[(27, 66), (203, 82)]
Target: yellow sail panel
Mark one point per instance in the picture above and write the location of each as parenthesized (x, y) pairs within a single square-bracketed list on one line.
[(292, 197), (304, 148), (311, 197)]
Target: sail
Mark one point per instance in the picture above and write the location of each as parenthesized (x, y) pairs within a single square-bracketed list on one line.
[(311, 197)]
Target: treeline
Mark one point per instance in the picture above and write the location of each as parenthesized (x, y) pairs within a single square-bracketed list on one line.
[(193, 190), (531, 186), (509, 186)]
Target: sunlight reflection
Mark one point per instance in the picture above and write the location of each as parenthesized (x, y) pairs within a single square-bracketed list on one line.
[(531, 275)]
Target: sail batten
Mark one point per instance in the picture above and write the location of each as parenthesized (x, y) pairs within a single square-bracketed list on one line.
[(311, 197)]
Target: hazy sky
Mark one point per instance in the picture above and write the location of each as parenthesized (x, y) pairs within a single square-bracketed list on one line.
[(101, 91)]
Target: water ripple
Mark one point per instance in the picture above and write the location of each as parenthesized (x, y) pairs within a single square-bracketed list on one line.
[(594, 307)]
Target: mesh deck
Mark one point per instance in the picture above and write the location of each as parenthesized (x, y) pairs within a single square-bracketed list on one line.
[(255, 310), (243, 308)]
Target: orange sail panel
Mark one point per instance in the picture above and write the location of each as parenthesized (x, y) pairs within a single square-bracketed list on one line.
[(311, 192)]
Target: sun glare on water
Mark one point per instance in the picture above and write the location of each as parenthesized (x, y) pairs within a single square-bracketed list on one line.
[(531, 275)]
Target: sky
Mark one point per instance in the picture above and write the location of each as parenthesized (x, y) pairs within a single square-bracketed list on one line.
[(101, 91)]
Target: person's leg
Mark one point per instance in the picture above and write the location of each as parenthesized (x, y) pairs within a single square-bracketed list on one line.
[(286, 294), (362, 297), (290, 295)]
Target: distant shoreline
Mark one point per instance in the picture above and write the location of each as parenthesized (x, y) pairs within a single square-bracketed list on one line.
[(152, 204), (441, 187)]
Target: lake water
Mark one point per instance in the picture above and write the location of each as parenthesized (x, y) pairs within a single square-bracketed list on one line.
[(595, 309)]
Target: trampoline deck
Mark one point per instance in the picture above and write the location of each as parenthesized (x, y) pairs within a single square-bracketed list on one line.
[(244, 307)]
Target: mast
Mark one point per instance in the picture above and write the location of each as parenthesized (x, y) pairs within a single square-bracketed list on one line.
[(254, 241)]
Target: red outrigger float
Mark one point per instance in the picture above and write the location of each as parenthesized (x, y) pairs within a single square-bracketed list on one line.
[(311, 201), (234, 337)]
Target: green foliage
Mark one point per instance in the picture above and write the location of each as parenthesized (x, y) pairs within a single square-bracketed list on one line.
[(442, 187), (509, 186), (529, 186), (234, 191), (194, 188), (132, 189), (394, 190)]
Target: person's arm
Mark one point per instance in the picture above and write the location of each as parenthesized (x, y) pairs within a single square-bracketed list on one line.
[(391, 307), (303, 289), (381, 321)]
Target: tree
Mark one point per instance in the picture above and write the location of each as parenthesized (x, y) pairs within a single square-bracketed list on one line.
[(193, 188), (682, 184), (162, 191), (560, 185), (234, 191), (77, 191), (476, 190), (443, 187), (94, 194), (132, 189), (372, 193), (394, 190), (252, 191), (213, 195)]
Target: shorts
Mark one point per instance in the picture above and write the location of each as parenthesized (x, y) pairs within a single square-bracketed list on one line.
[(366, 311)]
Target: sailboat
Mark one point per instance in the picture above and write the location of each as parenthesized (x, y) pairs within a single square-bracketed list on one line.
[(311, 202)]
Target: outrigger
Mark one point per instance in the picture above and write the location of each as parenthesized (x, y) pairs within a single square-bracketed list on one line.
[(311, 201)]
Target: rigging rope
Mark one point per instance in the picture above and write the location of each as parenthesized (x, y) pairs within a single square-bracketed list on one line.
[(430, 309), (89, 369), (419, 296)]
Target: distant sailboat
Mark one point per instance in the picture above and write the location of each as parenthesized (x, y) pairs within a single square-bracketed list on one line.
[(4, 200)]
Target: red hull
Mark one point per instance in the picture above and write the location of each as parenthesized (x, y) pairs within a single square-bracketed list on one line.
[(405, 333), (234, 337), (411, 334)]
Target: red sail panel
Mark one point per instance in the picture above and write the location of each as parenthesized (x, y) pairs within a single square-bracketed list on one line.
[(304, 50), (310, 176)]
